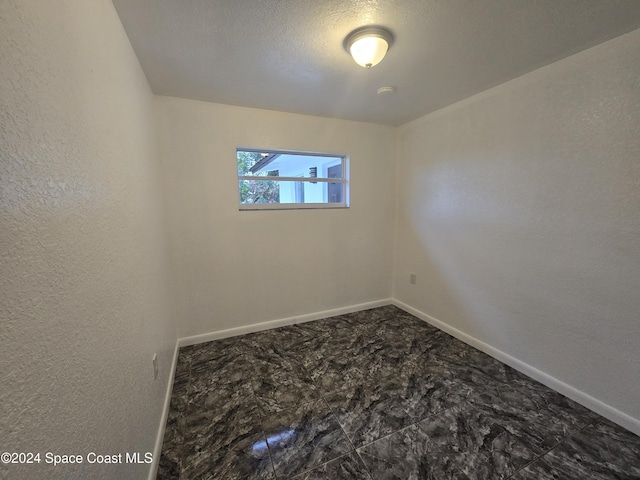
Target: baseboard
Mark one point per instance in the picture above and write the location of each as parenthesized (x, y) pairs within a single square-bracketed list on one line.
[(607, 411), (232, 332), (153, 471), (601, 408), (258, 327)]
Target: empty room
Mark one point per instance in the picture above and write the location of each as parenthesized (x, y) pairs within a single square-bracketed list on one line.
[(334, 239)]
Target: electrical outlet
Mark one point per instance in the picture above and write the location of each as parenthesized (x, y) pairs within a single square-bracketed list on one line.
[(155, 366), (412, 278)]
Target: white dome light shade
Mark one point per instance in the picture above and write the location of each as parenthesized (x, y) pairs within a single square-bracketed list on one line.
[(368, 51), (368, 45)]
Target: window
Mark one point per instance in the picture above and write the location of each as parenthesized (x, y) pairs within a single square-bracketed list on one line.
[(278, 179)]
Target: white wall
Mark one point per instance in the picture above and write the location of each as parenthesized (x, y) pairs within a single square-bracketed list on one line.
[(84, 276), (519, 211), (234, 268)]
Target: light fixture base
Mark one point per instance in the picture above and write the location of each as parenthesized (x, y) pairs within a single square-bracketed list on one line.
[(379, 40)]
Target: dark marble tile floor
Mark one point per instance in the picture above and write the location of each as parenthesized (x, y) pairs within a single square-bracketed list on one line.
[(376, 395)]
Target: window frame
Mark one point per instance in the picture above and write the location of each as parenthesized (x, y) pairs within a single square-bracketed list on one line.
[(344, 181)]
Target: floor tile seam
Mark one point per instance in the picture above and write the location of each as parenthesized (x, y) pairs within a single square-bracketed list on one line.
[(557, 445), (388, 435), (323, 391), (354, 450), (458, 468), (340, 424), (344, 432), (273, 465), (309, 374), (317, 385), (535, 459), (575, 431), (632, 443), (262, 413), (253, 400), (288, 477), (475, 400), (366, 467), (472, 385), (440, 412), (251, 379), (416, 422), (491, 421), (573, 434), (569, 435), (521, 389), (189, 406), (384, 396), (503, 431), (413, 421), (434, 447), (541, 388)]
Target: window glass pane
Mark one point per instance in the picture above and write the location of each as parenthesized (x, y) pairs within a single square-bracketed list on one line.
[(287, 192), (299, 192), (274, 164), (285, 179), (259, 191)]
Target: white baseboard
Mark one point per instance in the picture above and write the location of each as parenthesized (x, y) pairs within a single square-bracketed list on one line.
[(588, 401), (258, 327), (232, 332), (601, 408), (153, 471)]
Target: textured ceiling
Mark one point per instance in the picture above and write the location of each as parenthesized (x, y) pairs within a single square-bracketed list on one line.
[(288, 55)]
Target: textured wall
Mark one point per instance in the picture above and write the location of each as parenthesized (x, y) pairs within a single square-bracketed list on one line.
[(234, 268), (519, 210), (83, 283)]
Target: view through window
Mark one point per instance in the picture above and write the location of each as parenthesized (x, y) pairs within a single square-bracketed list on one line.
[(270, 179)]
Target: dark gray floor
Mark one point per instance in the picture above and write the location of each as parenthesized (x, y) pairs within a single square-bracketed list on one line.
[(376, 394)]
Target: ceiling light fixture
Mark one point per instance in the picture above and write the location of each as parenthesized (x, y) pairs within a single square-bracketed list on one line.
[(368, 45)]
